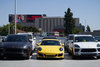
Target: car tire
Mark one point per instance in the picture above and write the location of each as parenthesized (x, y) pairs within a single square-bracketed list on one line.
[(98, 57), (62, 58), (73, 56), (38, 58), (2, 58), (69, 52), (28, 55), (31, 52)]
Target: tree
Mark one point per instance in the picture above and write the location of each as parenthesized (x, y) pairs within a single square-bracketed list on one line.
[(69, 22), (4, 29), (76, 31), (88, 28), (80, 24)]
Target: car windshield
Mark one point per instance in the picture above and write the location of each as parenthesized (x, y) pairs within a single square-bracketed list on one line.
[(50, 42), (84, 39), (29, 36), (97, 38), (17, 38)]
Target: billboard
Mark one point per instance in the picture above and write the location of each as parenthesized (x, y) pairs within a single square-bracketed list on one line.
[(23, 18)]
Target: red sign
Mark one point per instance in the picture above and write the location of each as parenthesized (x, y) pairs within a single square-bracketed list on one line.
[(33, 17)]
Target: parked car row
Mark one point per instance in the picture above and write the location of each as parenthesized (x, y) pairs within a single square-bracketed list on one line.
[(24, 44), (79, 45)]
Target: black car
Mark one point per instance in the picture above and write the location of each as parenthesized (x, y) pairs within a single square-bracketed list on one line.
[(16, 46)]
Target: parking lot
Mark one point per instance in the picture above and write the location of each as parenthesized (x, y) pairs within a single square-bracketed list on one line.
[(66, 62)]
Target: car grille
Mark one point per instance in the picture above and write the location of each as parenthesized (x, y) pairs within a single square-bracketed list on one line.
[(99, 49), (50, 55), (13, 50), (60, 54), (89, 54), (40, 54), (1, 50), (88, 50), (76, 50)]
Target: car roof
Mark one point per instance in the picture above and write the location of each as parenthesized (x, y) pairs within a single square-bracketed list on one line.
[(49, 37), (79, 35), (16, 35)]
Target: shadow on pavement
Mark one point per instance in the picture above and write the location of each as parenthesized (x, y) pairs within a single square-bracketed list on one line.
[(34, 57)]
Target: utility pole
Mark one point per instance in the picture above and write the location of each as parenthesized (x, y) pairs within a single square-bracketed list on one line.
[(15, 16)]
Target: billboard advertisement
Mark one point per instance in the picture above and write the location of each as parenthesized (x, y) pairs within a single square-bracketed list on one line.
[(23, 18)]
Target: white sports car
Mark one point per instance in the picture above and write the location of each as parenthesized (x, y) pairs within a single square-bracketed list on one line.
[(84, 45)]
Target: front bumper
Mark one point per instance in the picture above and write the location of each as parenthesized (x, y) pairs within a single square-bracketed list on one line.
[(50, 55), (9, 52), (86, 52)]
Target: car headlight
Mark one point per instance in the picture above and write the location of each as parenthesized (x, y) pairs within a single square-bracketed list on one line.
[(98, 45), (39, 48), (61, 49), (75, 45), (25, 46)]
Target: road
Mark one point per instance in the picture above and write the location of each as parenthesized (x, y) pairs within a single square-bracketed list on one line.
[(66, 62)]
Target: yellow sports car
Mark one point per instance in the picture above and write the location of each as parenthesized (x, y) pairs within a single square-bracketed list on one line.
[(50, 48)]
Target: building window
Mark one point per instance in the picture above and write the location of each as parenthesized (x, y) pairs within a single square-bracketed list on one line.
[(60, 21), (53, 23), (39, 23), (57, 22), (43, 24), (50, 24), (47, 25)]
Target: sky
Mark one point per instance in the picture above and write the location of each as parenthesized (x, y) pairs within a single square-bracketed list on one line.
[(88, 11)]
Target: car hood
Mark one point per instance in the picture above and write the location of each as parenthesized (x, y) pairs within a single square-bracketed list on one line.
[(98, 42), (87, 44), (51, 49), (14, 44)]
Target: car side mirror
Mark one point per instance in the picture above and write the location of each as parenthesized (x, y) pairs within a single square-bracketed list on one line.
[(96, 40), (62, 44), (30, 40), (38, 44)]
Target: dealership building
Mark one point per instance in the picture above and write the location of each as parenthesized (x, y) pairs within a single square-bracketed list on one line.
[(44, 23)]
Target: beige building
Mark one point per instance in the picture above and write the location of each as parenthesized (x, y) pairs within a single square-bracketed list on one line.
[(44, 23), (47, 24)]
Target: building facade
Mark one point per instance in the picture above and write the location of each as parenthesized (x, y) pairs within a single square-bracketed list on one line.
[(47, 24), (42, 23)]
